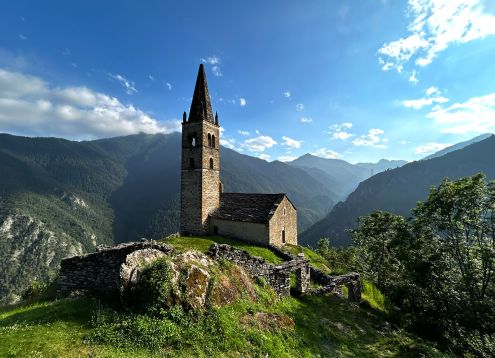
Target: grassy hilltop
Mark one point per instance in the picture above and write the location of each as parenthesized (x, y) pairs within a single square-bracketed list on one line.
[(266, 326)]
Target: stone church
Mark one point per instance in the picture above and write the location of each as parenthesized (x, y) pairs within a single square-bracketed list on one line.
[(269, 219)]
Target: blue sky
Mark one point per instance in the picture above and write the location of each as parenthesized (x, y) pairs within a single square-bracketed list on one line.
[(351, 79)]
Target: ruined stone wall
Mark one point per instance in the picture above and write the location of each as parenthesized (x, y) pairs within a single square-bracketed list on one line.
[(277, 276), (281, 221), (249, 232), (99, 272)]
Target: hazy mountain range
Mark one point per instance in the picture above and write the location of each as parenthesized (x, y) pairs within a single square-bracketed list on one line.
[(60, 198)]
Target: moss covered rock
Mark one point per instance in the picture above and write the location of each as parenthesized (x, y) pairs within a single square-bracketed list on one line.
[(191, 280)]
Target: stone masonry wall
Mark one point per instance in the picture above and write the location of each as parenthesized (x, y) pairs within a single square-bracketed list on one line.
[(245, 231), (99, 272), (280, 222), (277, 276)]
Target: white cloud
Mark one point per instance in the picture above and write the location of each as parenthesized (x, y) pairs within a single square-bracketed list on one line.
[(326, 153), (244, 133), (299, 107), (128, 85), (422, 102), (230, 143), (432, 90), (30, 106), (242, 102), (259, 144), (212, 60), (291, 142), (476, 115), (216, 71), (215, 62), (264, 157), (168, 85), (434, 26), (431, 148), (413, 78), (286, 158), (286, 94), (151, 78), (306, 119), (372, 139), (339, 131)]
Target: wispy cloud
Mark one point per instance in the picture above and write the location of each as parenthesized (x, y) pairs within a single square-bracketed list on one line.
[(434, 26), (290, 142), (264, 156), (216, 71), (168, 85), (214, 61), (286, 94), (30, 106), (128, 85), (286, 158), (374, 138), (306, 119), (244, 133), (259, 144), (242, 102), (327, 153), (426, 101), (22, 37), (430, 148), (151, 78), (299, 107), (340, 131), (476, 115)]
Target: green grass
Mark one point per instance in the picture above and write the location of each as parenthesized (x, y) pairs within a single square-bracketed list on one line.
[(374, 297), (202, 244), (319, 326), (323, 327)]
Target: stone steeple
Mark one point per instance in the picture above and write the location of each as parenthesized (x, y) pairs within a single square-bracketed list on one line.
[(201, 105), (200, 163)]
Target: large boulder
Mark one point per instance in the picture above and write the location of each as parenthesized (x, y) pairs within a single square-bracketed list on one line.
[(131, 270), (153, 282)]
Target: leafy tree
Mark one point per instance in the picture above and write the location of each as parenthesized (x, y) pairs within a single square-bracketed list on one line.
[(377, 239), (439, 267)]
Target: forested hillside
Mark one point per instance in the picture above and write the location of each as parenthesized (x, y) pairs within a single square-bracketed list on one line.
[(399, 190), (59, 197)]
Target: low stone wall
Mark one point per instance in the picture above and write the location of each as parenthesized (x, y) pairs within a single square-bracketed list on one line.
[(98, 273), (277, 276), (329, 283)]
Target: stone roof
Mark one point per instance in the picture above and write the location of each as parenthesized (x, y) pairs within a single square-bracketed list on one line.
[(255, 208), (201, 105)]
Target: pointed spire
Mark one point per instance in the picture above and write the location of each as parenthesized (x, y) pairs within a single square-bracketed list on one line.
[(201, 105), (184, 117), (216, 118)]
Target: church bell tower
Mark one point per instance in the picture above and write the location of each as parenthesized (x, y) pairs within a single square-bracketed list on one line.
[(200, 163)]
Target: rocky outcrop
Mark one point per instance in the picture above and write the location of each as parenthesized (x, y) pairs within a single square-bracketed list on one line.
[(29, 250)]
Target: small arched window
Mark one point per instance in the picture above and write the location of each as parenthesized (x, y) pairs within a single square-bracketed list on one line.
[(191, 163), (193, 142), (213, 141), (209, 140), (211, 163), (284, 211), (283, 235)]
